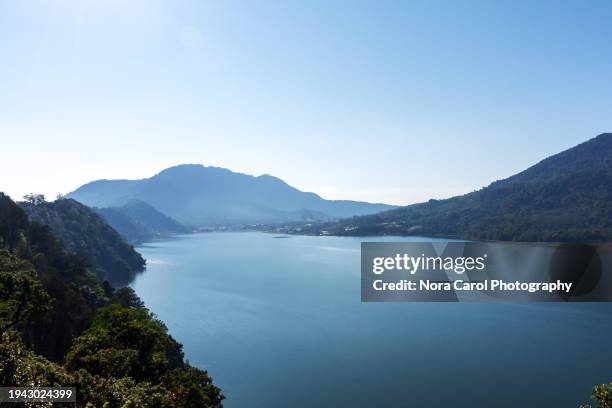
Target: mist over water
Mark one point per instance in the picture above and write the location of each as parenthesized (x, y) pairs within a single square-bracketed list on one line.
[(279, 323)]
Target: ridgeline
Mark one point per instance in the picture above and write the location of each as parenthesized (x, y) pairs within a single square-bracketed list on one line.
[(59, 326)]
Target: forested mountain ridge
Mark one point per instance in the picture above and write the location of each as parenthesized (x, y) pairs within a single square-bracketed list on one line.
[(63, 294), (566, 197), (200, 196), (60, 327), (85, 233), (138, 221)]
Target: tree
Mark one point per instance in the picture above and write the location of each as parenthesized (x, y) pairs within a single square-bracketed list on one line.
[(127, 297), (130, 345), (192, 387), (22, 296), (602, 394), (35, 199), (125, 342)]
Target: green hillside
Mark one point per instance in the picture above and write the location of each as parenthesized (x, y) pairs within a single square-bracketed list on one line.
[(138, 222), (566, 197), (60, 327), (85, 233)]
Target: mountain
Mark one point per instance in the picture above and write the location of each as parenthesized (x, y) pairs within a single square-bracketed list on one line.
[(60, 326), (202, 196), (137, 222), (46, 293), (83, 232), (566, 197)]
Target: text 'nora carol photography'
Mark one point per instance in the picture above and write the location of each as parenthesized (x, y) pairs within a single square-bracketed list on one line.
[(474, 271)]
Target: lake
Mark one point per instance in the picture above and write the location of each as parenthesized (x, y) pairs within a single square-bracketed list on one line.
[(278, 322)]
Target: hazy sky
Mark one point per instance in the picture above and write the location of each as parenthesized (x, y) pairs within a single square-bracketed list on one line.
[(382, 101)]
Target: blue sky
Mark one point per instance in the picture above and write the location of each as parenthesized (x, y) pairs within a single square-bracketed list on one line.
[(382, 101)]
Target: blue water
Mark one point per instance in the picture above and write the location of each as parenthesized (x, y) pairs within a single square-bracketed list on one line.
[(279, 323)]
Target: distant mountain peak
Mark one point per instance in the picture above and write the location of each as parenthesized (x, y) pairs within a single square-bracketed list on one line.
[(199, 195)]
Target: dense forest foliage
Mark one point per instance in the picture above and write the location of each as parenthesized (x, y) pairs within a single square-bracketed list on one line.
[(567, 197), (137, 222), (60, 326), (81, 231)]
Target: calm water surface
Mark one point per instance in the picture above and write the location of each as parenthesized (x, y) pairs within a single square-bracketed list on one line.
[(279, 323)]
